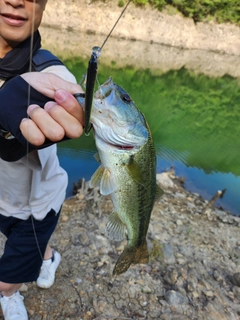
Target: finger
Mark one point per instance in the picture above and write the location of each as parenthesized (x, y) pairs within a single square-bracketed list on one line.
[(31, 132), (47, 125), (70, 104), (49, 83), (71, 125)]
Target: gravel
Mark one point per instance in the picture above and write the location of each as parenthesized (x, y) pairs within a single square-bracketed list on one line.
[(193, 272)]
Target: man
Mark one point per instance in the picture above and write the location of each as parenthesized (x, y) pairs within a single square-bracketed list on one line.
[(32, 184)]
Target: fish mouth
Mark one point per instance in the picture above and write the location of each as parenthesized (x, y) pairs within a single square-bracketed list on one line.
[(112, 145), (123, 147), (105, 89)]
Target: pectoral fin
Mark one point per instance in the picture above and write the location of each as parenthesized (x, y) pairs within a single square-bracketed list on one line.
[(135, 171), (96, 177), (115, 228), (102, 178), (107, 184)]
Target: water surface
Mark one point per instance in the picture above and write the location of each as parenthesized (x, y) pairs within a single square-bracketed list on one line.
[(194, 119)]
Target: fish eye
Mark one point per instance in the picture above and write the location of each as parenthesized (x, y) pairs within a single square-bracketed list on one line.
[(126, 98)]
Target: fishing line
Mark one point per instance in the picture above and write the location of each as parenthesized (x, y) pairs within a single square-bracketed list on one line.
[(115, 24), (28, 103), (90, 77), (99, 50), (29, 90)]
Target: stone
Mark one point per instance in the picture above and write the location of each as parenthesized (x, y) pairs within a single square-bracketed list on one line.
[(146, 289), (175, 298), (23, 288), (168, 253), (164, 180), (236, 279)]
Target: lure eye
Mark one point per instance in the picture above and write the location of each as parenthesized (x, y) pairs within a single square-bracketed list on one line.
[(126, 98)]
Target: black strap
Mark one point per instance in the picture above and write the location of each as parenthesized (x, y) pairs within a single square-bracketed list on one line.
[(43, 59)]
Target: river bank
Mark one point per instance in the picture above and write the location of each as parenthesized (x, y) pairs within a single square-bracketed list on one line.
[(142, 24), (193, 272), (144, 37)]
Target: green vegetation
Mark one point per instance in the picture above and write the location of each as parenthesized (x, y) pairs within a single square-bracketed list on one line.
[(200, 10), (121, 3), (191, 114)]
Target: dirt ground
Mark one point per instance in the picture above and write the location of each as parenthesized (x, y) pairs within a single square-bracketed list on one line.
[(193, 272)]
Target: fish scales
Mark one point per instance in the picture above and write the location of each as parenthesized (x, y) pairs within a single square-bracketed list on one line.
[(127, 171)]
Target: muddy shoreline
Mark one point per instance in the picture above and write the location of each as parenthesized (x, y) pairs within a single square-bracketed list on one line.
[(193, 272)]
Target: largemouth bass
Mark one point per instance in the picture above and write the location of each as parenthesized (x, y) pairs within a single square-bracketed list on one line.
[(127, 172)]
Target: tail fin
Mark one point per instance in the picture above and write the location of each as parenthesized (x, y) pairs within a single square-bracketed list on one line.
[(131, 255)]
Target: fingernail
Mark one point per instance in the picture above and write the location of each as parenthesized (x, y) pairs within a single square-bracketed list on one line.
[(49, 105), (32, 107), (24, 119)]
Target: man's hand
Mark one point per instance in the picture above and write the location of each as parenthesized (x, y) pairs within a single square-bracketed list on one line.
[(57, 119)]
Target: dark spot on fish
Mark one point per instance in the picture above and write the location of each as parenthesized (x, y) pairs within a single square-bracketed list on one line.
[(126, 98)]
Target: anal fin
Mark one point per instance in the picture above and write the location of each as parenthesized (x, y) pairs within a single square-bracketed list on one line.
[(115, 228)]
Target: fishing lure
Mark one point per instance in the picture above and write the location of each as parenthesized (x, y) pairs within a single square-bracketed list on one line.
[(91, 79), (90, 84)]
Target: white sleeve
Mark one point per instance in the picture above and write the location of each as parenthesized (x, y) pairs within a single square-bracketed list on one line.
[(61, 71)]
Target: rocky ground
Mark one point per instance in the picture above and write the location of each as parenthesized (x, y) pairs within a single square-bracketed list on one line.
[(193, 273)]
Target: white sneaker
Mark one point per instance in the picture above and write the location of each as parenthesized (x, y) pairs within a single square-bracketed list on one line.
[(48, 269), (13, 307)]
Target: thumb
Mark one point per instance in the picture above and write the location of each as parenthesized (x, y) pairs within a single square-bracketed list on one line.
[(67, 101)]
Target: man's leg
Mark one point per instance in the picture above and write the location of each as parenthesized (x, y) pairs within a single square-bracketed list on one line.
[(12, 302), (8, 289), (48, 269), (48, 253)]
